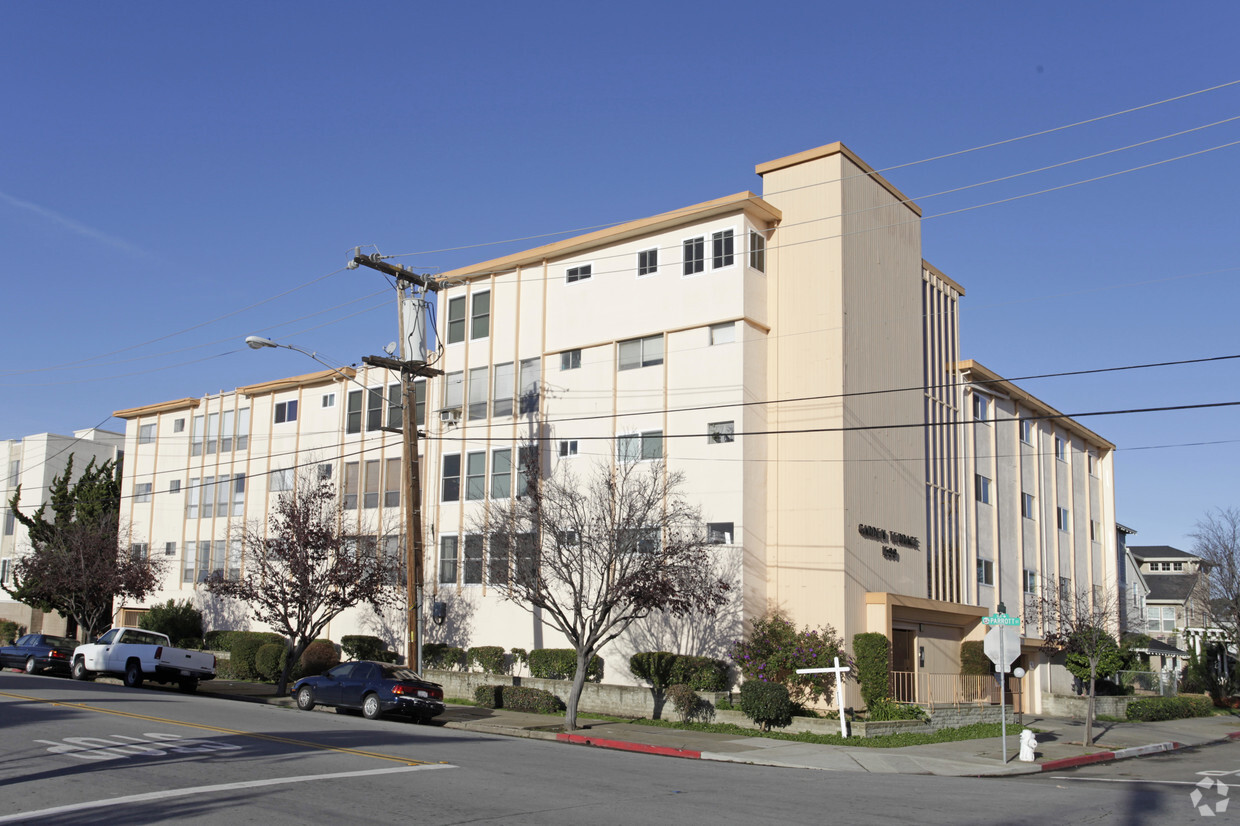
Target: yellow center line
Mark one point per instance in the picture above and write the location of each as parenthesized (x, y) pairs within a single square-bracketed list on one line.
[(219, 730)]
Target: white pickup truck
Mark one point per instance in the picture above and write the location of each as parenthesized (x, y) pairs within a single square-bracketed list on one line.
[(136, 654)]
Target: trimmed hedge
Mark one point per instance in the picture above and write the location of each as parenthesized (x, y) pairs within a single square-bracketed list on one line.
[(518, 698), (873, 653), (1147, 709), (269, 661), (243, 649), (363, 647), (319, 656), (175, 620), (767, 704), (654, 667), (973, 659), (490, 658), (442, 655), (700, 673), (561, 664)]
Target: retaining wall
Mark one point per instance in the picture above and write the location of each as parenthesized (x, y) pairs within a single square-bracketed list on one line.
[(1069, 705)]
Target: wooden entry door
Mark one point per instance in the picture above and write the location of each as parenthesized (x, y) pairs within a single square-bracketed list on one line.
[(903, 642)]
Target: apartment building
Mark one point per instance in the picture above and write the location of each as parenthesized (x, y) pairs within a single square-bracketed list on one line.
[(32, 463), (790, 353)]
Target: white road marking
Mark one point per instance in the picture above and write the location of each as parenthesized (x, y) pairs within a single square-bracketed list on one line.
[(222, 787), (1124, 780)]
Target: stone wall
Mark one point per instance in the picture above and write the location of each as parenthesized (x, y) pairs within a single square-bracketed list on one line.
[(1074, 707), (957, 716)]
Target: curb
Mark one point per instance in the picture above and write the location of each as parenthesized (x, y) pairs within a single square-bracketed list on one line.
[(623, 745), (1123, 754)]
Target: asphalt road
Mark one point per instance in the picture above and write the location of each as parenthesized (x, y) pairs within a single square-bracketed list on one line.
[(88, 753)]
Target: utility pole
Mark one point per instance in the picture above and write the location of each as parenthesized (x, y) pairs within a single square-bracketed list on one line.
[(412, 321)]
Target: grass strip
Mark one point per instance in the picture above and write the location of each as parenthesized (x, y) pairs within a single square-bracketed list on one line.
[(976, 731)]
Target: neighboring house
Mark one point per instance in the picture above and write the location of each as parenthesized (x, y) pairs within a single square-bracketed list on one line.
[(791, 354), (32, 463), (1177, 597), (1133, 589)]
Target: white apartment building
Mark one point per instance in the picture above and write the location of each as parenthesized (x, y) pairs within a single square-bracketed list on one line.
[(32, 463), (790, 353)]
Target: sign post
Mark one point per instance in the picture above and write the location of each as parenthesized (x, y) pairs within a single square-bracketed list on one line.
[(1002, 646), (838, 670)]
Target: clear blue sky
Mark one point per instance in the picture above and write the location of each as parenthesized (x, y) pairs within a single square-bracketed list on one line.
[(166, 166)]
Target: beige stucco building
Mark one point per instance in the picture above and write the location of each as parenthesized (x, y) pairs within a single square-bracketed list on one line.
[(790, 353)]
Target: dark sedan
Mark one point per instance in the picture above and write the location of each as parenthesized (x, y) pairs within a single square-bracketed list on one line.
[(39, 652), (374, 688)]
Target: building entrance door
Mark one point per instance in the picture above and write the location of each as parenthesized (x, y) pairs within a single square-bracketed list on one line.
[(902, 647)]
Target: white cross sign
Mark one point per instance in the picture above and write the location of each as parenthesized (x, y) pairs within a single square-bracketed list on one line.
[(838, 671)]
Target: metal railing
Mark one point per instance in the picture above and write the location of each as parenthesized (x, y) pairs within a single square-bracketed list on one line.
[(928, 689)]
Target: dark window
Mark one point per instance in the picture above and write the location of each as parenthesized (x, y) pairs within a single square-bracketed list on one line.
[(456, 319), (647, 262), (574, 274), (721, 244), (452, 478), (695, 255), (353, 413), (286, 412)]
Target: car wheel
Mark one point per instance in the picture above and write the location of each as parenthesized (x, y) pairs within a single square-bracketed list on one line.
[(133, 674), (370, 706), (305, 698), (188, 685), (30, 669), (79, 671)]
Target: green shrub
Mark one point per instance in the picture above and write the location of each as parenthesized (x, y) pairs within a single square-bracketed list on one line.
[(973, 659), (363, 647), (1170, 708), (269, 660), (319, 656), (519, 657), (177, 620), (490, 658), (8, 632), (701, 673), (561, 664), (243, 649), (442, 655), (193, 643), (487, 696), (688, 704), (767, 704), (725, 705), (518, 698), (873, 653), (654, 667), (887, 709), (775, 649)]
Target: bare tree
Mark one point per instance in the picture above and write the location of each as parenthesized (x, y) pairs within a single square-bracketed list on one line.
[(595, 555), (303, 571), (1217, 541)]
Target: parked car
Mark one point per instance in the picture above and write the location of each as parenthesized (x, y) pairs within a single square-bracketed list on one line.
[(136, 654), (39, 652), (375, 688)]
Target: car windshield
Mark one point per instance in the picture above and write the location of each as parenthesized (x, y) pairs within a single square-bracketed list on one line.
[(396, 672)]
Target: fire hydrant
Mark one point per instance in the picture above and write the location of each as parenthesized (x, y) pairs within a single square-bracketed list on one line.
[(1027, 741)]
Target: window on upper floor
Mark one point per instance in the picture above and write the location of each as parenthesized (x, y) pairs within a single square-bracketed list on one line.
[(1026, 431), (1030, 581), (637, 540), (1095, 530), (722, 333), (719, 533), (722, 252), (371, 471), (479, 387), (282, 480), (568, 447), (981, 408), (142, 492), (570, 359), (178, 425), (580, 273), (480, 316), (757, 251), (375, 403), (454, 390), (391, 483), (329, 400), (140, 550), (10, 521), (474, 549), (195, 440), (1061, 449), (15, 472), (476, 475), (285, 412), (503, 393), (174, 486), (647, 262), (1091, 463), (501, 473), (985, 572), (1062, 521), (1027, 505), (641, 352), (353, 412), (451, 479), (981, 487), (325, 471), (694, 256), (146, 434), (720, 432), (639, 447), (352, 484), (456, 319), (395, 406), (447, 560)]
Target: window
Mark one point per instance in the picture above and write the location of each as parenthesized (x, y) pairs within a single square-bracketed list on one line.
[(1065, 591), (478, 388), (575, 274), (146, 434), (473, 559), (329, 399), (1061, 449), (637, 540), (1061, 518), (282, 480), (568, 447), (475, 475), (641, 352), (174, 486), (695, 255), (374, 408), (352, 482), (985, 572), (722, 333), (170, 549), (757, 251), (1091, 463), (391, 483), (238, 494), (213, 431), (647, 262), (370, 483), (191, 501), (720, 432), (396, 406), (451, 478), (226, 432), (1177, 566), (195, 441), (528, 385), (208, 497), (178, 425), (1030, 581), (419, 402), (285, 412), (456, 319), (501, 473), (527, 557), (142, 492), (570, 359), (1026, 505), (498, 561), (480, 316), (981, 407), (243, 428), (140, 550), (234, 559), (10, 521), (639, 447), (721, 249), (1095, 530), (190, 562), (447, 560), (502, 395), (719, 533), (1161, 619), (15, 472), (982, 488), (454, 390), (325, 472), (353, 412), (1026, 431), (527, 467), (6, 570)]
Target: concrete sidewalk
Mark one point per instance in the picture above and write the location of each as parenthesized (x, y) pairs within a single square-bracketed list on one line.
[(1059, 741)]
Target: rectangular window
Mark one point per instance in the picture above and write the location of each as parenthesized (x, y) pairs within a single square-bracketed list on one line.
[(375, 403), (142, 492), (501, 473), (391, 483), (234, 559), (238, 494), (285, 412), (195, 441), (1026, 505), (419, 402), (637, 447), (981, 407), (213, 431), (1091, 463), (570, 359), (1065, 591), (1030, 583), (985, 572), (718, 433), (191, 501), (190, 562), (473, 559), (982, 489), (719, 533), (757, 251), (637, 540), (451, 478), (641, 352), (146, 434), (504, 392), (178, 425), (396, 406), (353, 412), (480, 316), (447, 560), (140, 550), (574, 274), (282, 480), (722, 333), (226, 432), (456, 319), (454, 390), (721, 249), (174, 486), (10, 521), (499, 560), (243, 428), (527, 557), (352, 482), (647, 262), (1095, 530), (329, 399), (695, 255), (1026, 431), (1061, 518), (478, 391), (475, 475), (527, 467), (1061, 449), (568, 447), (15, 473), (370, 483), (208, 497)]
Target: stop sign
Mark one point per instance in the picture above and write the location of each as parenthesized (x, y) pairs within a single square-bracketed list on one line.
[(1006, 637)]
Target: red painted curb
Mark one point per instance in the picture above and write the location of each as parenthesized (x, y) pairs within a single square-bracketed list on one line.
[(623, 745), (1082, 760), (1235, 735)]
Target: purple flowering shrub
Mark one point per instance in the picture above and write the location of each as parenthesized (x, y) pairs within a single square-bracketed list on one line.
[(774, 649)]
